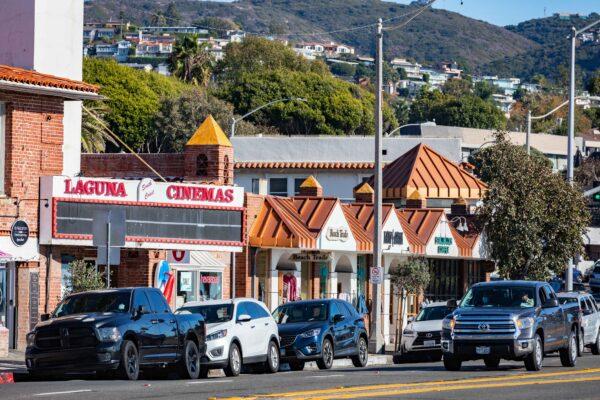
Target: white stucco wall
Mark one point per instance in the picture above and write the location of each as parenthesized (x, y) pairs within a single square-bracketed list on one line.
[(337, 220), (47, 36), (442, 230)]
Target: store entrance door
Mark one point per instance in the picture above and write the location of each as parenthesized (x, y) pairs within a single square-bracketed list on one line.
[(7, 301)]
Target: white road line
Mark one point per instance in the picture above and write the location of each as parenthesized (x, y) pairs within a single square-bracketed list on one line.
[(325, 376), (202, 382), (65, 392)]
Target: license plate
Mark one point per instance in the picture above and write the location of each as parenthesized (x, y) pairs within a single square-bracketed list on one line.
[(482, 349), (429, 343)]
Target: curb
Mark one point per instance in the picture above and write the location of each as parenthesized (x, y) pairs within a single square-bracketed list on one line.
[(6, 377)]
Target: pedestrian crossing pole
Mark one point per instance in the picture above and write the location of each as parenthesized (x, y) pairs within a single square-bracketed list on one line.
[(376, 341)]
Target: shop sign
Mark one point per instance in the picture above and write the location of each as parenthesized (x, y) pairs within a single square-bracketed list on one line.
[(95, 188), (393, 238), (19, 232), (206, 193), (146, 189), (376, 275), (310, 256), (210, 279), (178, 256), (337, 234), (444, 244)]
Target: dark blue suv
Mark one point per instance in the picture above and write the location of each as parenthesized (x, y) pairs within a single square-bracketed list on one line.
[(321, 331)]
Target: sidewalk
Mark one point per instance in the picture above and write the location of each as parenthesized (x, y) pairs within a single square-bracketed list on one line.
[(13, 364)]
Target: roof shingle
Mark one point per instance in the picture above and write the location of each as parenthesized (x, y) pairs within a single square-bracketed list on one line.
[(24, 76)]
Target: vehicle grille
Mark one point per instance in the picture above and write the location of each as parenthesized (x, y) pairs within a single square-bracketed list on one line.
[(484, 324), (62, 338), (423, 336), (285, 341)]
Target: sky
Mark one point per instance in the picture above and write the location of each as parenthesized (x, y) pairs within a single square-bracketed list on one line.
[(508, 12)]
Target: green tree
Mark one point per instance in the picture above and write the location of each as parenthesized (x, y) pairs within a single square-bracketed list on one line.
[(533, 220), (133, 98), (593, 85), (457, 87), (94, 136), (190, 61), (256, 54), (83, 276), (172, 14), (158, 19), (409, 277), (480, 158), (484, 90), (333, 107), (179, 117), (343, 69)]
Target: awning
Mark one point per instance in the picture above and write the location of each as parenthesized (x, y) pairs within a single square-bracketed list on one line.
[(202, 259)]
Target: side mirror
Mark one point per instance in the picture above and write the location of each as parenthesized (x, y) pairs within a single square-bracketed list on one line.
[(44, 317), (550, 303), (410, 319), (244, 318), (452, 303), (338, 318)]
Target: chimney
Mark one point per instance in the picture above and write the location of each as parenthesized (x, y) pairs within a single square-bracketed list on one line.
[(459, 207), (415, 200), (311, 187), (364, 193)]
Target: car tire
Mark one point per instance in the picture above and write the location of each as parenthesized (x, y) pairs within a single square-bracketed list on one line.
[(568, 355), (452, 363), (130, 361), (189, 365), (326, 360), (360, 360), (234, 366), (397, 359), (272, 362), (296, 365), (580, 344), (492, 362), (534, 360), (596, 345)]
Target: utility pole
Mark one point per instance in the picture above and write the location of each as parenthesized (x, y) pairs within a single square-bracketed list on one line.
[(376, 341), (527, 136), (571, 138)]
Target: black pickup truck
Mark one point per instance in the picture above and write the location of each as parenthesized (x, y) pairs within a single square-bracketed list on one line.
[(513, 320), (115, 331)]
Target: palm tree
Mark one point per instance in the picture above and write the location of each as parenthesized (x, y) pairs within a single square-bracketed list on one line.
[(190, 61), (93, 135)]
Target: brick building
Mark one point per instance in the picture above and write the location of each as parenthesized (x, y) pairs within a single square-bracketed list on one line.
[(31, 146)]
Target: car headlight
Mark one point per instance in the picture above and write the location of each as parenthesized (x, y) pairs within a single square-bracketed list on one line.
[(111, 334), (525, 323), (311, 333), (408, 332), (31, 339), (217, 335), (448, 323)]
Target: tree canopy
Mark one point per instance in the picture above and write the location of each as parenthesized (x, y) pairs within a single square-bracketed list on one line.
[(533, 220), (190, 61)]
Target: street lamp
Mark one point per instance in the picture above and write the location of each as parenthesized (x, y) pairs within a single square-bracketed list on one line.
[(235, 121), (462, 224), (570, 161), (402, 126), (531, 118)]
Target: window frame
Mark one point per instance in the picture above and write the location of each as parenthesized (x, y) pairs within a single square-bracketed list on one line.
[(279, 192)]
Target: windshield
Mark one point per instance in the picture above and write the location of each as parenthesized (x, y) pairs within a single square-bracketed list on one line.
[(433, 313), (500, 296), (568, 300), (597, 270), (300, 312), (101, 302), (212, 313)]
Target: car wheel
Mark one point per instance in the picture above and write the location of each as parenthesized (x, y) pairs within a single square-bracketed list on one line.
[(360, 360), (272, 363), (326, 360), (534, 360), (234, 367), (596, 346), (452, 363), (580, 344), (296, 365), (492, 362), (190, 361), (568, 355), (130, 361)]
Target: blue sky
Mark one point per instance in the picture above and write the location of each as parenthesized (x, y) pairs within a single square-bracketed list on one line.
[(506, 12)]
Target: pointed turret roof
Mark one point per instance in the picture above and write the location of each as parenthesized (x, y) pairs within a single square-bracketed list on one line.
[(209, 133), (311, 182)]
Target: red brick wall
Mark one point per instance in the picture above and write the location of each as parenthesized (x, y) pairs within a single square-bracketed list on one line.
[(243, 268), (123, 165)]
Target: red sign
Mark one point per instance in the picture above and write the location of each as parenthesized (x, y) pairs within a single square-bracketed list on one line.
[(213, 280), (96, 188), (178, 255), (217, 195)]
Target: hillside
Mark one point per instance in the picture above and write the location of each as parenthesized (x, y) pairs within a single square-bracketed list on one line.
[(433, 36), (552, 35)]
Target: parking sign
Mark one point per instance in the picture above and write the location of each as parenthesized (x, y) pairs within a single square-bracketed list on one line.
[(376, 275)]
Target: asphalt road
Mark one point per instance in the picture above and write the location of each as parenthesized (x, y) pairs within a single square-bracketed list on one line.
[(410, 381)]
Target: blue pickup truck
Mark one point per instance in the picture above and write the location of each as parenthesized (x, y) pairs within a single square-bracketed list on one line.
[(512, 320), (115, 331)]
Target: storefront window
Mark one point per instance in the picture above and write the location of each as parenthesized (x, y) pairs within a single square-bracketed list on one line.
[(3, 293), (211, 285), (323, 269), (361, 276), (186, 284), (443, 284), (65, 260)]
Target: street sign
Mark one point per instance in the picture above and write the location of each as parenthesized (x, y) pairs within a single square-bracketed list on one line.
[(102, 218), (19, 232), (376, 275), (115, 255)]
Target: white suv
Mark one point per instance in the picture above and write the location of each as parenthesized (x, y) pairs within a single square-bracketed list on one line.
[(239, 331)]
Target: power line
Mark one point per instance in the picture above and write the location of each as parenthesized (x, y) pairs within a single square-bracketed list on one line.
[(419, 12)]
